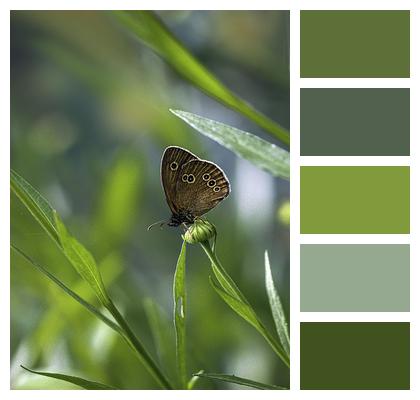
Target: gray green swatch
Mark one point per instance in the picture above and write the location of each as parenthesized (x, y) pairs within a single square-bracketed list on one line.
[(353, 43), (355, 277), (355, 122), (355, 355), (355, 199)]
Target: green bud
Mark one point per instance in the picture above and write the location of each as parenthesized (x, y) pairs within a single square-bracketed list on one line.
[(200, 231)]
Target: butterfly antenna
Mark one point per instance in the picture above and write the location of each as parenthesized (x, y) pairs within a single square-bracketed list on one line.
[(160, 223)]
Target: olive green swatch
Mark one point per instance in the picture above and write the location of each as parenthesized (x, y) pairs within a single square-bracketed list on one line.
[(355, 44), (355, 277), (355, 355), (355, 199), (355, 122)]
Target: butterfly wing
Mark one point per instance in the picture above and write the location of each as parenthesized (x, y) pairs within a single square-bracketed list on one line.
[(172, 161), (200, 187)]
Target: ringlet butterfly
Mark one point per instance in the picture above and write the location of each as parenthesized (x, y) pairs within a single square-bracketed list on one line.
[(192, 186)]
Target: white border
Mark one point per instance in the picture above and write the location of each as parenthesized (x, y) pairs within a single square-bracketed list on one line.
[(294, 6), (412, 238)]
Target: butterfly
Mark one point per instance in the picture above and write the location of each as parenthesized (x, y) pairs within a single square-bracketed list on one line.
[(192, 186)]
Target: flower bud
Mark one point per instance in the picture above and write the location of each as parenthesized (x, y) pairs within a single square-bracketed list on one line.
[(200, 231)]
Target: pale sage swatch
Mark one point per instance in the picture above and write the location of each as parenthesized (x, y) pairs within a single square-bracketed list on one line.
[(355, 277)]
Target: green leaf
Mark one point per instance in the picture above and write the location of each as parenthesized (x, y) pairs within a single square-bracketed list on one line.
[(241, 308), (224, 279), (37, 205), (50, 327), (144, 25), (240, 381), (82, 261), (83, 383), (233, 297), (180, 304), (84, 264), (262, 154), (276, 307), (48, 218), (70, 292)]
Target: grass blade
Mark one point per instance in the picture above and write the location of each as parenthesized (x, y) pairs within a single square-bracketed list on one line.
[(81, 382), (242, 309), (233, 297), (180, 316), (276, 307), (82, 261), (70, 292), (84, 264), (240, 381), (147, 27), (37, 205), (262, 154), (122, 328), (224, 279), (48, 218)]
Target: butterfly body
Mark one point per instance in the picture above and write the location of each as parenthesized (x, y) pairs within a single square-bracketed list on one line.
[(192, 186)]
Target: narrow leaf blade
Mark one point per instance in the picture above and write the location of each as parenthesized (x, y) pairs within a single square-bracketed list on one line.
[(86, 266), (240, 381), (241, 308), (180, 298), (82, 260), (231, 294), (151, 31), (276, 307), (81, 382), (70, 292), (224, 279), (261, 153), (48, 218), (36, 204)]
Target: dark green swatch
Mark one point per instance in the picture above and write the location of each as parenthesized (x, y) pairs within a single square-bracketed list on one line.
[(355, 122), (355, 355), (355, 199), (355, 44), (355, 277)]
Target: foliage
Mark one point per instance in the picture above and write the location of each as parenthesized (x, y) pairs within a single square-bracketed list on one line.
[(148, 28), (90, 151)]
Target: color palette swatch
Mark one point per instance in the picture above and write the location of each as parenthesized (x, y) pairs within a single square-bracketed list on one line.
[(355, 277), (355, 355), (355, 122), (355, 199), (368, 195), (355, 44)]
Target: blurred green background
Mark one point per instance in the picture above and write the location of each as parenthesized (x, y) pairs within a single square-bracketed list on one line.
[(89, 122)]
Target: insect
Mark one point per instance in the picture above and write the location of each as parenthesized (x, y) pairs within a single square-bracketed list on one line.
[(192, 186)]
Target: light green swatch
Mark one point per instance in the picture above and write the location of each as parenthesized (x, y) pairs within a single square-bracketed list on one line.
[(355, 277), (355, 199)]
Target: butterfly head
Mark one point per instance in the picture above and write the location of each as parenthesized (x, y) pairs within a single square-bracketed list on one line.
[(181, 217)]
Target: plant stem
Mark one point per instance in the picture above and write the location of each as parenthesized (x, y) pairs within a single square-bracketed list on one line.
[(141, 352)]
